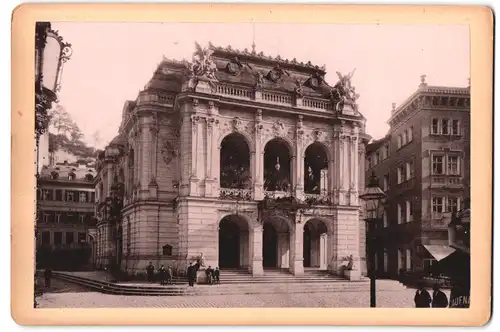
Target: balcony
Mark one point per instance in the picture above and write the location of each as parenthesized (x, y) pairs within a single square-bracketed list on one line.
[(155, 98), (277, 194), (236, 194), (446, 181), (271, 97), (318, 199)]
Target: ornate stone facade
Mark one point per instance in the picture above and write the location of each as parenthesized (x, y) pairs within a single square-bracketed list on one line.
[(233, 157)]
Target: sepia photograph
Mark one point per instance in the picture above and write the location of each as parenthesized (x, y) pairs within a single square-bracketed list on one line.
[(252, 164)]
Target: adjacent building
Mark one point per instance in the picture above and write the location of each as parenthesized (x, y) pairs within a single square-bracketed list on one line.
[(66, 211), (248, 161), (423, 165)]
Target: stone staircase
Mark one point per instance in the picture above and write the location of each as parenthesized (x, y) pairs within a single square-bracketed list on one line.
[(237, 282)]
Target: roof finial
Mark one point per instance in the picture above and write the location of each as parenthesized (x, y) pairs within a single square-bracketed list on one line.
[(422, 78), (253, 37), (468, 80), (393, 106)]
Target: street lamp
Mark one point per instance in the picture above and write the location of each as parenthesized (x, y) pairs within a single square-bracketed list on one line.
[(50, 55), (374, 210), (51, 52)]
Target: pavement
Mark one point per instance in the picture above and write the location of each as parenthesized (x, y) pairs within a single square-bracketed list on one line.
[(402, 298)]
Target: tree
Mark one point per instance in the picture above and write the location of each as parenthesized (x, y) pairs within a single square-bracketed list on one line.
[(60, 121), (66, 134)]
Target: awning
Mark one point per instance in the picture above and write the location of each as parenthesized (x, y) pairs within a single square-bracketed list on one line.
[(439, 252)]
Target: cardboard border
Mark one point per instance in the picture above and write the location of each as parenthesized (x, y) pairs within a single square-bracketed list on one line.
[(480, 20)]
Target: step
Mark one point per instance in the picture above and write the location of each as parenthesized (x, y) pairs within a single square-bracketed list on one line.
[(230, 289)]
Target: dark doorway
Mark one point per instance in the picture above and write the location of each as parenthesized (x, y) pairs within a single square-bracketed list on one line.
[(307, 246), (269, 246), (229, 244)]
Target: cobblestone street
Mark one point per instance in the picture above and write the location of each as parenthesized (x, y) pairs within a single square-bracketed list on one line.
[(386, 299)]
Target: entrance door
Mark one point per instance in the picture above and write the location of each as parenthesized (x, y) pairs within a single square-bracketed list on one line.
[(307, 246), (269, 246), (229, 245)]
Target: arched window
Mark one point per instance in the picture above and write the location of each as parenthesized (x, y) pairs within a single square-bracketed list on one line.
[(89, 177), (234, 162), (315, 169), (277, 159), (54, 175)]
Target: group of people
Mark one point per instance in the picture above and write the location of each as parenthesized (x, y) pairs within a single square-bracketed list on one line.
[(164, 274), (213, 275), (424, 300)]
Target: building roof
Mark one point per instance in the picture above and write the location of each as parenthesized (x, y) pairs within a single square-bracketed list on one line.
[(425, 88), (375, 144), (242, 68), (81, 172)]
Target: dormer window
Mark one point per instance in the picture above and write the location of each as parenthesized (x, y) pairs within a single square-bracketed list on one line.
[(89, 178), (54, 175), (71, 176)]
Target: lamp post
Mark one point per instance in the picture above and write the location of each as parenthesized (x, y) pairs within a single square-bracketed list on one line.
[(51, 52), (374, 198)]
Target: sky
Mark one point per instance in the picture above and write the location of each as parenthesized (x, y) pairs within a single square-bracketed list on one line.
[(111, 62)]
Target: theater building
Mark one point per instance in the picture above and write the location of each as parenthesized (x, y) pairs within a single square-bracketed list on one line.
[(251, 161), (423, 165)]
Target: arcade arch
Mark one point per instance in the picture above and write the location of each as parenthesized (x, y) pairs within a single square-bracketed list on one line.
[(276, 243), (233, 242), (315, 244)]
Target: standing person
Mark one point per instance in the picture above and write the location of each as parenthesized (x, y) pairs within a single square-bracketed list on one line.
[(190, 272), (48, 277), (217, 275), (150, 270), (422, 297), (439, 299), (169, 275), (162, 272), (210, 273)]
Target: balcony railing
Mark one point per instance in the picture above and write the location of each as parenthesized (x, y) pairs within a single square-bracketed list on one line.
[(148, 97), (439, 181), (317, 199), (235, 92), (235, 194), (278, 98), (277, 194)]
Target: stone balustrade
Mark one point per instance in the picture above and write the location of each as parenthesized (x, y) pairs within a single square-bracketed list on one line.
[(148, 97)]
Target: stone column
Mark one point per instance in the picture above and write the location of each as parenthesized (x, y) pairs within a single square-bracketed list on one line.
[(297, 249), (193, 180), (256, 245), (323, 251), (283, 250), (258, 171), (210, 185), (298, 177), (354, 166), (339, 167), (153, 185)]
